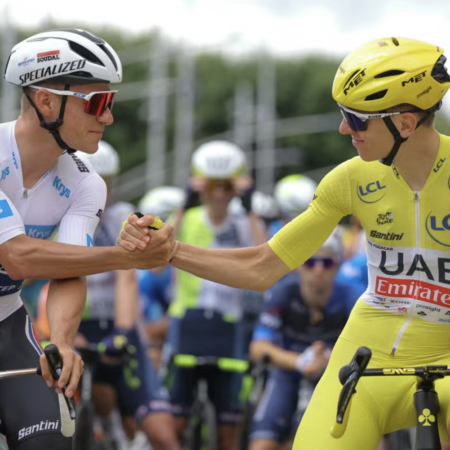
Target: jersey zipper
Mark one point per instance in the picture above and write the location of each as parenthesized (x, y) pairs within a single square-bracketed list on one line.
[(408, 320)]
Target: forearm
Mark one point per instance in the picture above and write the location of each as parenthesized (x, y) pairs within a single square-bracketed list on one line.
[(279, 357), (65, 303), (254, 268), (126, 299), (25, 257)]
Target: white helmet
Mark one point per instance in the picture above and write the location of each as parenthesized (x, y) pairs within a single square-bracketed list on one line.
[(334, 243), (105, 161), (162, 201), (218, 160), (68, 55), (294, 193)]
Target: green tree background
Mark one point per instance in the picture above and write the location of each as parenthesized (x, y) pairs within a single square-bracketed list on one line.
[(303, 87)]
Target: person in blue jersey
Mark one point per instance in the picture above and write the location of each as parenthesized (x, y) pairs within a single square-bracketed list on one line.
[(300, 321), (353, 271)]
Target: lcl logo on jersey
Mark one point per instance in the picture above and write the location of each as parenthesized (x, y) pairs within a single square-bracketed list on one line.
[(372, 192), (438, 228), (439, 165)]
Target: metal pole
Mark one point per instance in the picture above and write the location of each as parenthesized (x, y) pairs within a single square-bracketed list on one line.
[(265, 125), (156, 117), (184, 118), (243, 129), (9, 93)]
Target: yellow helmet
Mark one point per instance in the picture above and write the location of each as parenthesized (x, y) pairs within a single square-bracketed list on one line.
[(389, 72)]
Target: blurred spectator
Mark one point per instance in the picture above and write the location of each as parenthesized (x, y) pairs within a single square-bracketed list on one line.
[(301, 320)]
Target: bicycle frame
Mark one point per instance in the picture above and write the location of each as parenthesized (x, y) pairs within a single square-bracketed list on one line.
[(426, 400), (202, 408)]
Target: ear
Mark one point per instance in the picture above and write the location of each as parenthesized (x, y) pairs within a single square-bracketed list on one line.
[(406, 124), (47, 103)]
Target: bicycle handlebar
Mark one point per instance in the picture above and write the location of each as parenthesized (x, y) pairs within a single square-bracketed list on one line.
[(350, 374), (55, 365)]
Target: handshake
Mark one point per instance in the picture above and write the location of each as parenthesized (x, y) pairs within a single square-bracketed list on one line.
[(149, 241)]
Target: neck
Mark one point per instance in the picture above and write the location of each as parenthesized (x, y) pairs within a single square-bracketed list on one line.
[(38, 149), (416, 157), (217, 217), (315, 297)]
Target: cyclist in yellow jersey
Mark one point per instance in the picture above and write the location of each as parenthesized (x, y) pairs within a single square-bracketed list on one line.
[(388, 91)]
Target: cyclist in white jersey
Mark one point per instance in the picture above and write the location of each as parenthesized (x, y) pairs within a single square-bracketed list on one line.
[(44, 188)]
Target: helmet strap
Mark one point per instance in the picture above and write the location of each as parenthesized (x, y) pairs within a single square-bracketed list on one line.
[(52, 127), (398, 140)]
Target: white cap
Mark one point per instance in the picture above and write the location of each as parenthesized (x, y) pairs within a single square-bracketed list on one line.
[(334, 242), (218, 160)]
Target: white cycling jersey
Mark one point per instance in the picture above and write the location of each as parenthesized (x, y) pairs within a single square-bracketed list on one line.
[(102, 286), (68, 199)]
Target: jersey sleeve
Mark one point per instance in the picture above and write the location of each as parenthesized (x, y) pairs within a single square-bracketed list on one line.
[(270, 320), (304, 235), (81, 219), (11, 224)]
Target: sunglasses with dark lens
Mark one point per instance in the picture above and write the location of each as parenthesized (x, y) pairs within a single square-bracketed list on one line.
[(96, 102), (225, 185), (357, 121), (327, 263)]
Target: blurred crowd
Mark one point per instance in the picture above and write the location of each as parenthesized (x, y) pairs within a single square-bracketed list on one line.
[(163, 312)]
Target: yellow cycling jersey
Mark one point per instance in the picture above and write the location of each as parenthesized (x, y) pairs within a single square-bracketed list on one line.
[(408, 240)]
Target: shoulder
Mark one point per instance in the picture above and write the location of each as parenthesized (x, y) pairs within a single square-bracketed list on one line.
[(71, 169), (355, 168), (6, 142), (193, 213)]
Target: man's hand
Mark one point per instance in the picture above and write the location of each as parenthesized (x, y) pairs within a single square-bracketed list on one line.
[(155, 248), (315, 360), (71, 371)]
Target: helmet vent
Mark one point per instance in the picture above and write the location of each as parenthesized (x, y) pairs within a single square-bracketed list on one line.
[(376, 96), (395, 41), (389, 73), (439, 72), (111, 57), (85, 53)]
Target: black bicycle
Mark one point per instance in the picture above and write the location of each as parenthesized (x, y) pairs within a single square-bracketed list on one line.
[(253, 385), (201, 431), (85, 437), (426, 400), (66, 405)]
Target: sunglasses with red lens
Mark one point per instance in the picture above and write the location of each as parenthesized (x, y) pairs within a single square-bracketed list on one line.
[(96, 102), (327, 263)]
